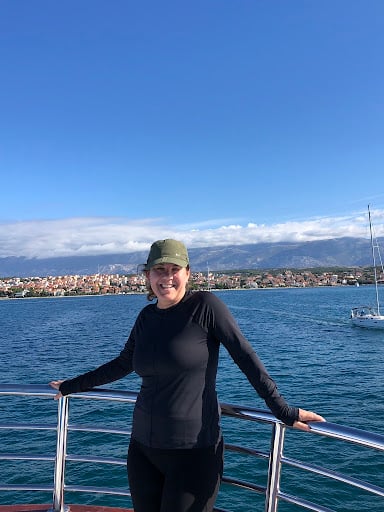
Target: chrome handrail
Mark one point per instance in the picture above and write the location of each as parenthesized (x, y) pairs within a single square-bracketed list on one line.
[(275, 456)]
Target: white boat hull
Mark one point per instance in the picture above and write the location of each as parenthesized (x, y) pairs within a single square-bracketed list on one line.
[(367, 317), (369, 323)]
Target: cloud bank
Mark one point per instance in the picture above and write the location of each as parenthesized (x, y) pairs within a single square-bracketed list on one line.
[(100, 235)]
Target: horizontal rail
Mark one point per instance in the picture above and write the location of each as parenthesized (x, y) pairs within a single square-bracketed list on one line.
[(98, 490), (22, 456), (355, 482), (97, 460), (309, 505), (271, 491), (92, 428), (28, 426), (17, 487)]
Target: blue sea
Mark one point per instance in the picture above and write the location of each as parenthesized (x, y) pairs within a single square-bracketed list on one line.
[(303, 336)]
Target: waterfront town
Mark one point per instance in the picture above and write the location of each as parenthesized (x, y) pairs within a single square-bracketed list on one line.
[(102, 284)]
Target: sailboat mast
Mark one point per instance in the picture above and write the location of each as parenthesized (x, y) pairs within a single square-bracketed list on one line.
[(374, 261)]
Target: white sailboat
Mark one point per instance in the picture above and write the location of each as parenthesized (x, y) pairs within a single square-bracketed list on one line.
[(368, 316)]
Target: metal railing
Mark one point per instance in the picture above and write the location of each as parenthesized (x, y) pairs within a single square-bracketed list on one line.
[(275, 457)]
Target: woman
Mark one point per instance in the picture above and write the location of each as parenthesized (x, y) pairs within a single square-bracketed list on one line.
[(175, 456)]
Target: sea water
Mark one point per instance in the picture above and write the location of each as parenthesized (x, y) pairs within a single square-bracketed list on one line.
[(303, 336)]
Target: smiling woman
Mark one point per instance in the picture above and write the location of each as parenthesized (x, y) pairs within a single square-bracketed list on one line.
[(176, 445), (167, 271)]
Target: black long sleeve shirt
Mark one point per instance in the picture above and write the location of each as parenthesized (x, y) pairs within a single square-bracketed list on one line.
[(176, 352)]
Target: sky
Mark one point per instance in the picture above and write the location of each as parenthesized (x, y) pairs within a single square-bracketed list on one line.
[(215, 122)]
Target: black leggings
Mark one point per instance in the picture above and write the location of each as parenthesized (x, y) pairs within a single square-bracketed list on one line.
[(174, 480)]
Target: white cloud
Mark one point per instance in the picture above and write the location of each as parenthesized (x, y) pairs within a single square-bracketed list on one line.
[(98, 235)]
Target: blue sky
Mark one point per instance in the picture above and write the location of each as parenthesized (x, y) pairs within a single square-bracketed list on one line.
[(232, 121)]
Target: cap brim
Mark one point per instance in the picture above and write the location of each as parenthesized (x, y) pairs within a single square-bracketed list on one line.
[(168, 259)]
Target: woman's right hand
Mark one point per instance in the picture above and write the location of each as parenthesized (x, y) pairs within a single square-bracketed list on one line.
[(55, 384)]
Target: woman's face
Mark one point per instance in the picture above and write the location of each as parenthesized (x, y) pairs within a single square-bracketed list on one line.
[(168, 282)]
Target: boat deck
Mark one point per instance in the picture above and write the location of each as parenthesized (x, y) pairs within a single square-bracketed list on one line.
[(72, 508)]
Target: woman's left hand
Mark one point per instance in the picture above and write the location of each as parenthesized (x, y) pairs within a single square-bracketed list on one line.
[(305, 417), (55, 384)]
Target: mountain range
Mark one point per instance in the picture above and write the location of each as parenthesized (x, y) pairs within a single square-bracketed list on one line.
[(338, 252)]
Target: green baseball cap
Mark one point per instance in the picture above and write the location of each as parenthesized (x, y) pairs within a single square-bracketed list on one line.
[(167, 251)]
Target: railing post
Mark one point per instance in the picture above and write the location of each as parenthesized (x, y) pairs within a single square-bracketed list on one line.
[(61, 450), (274, 469)]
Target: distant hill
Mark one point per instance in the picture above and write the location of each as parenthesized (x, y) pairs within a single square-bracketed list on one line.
[(340, 252)]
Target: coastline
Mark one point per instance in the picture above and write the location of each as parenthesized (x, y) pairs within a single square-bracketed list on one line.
[(266, 288)]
